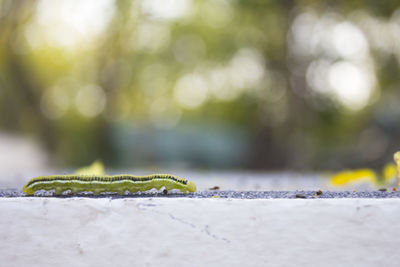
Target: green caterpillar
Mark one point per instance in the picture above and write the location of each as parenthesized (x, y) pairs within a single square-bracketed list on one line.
[(106, 183)]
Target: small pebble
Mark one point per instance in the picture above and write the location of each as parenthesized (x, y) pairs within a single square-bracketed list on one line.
[(300, 196), (382, 189)]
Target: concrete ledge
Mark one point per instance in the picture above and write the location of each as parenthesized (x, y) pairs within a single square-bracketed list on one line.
[(199, 232)]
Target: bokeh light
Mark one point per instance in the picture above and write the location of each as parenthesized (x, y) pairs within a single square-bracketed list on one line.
[(191, 91), (69, 23), (90, 100)]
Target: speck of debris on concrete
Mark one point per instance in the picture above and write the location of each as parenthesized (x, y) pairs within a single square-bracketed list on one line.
[(214, 188)]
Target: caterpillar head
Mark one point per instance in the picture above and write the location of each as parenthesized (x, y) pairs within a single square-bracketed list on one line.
[(28, 191), (191, 186)]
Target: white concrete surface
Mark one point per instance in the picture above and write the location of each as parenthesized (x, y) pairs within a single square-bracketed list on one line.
[(199, 232)]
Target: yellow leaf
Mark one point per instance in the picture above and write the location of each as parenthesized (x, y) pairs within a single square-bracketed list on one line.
[(353, 176), (96, 168)]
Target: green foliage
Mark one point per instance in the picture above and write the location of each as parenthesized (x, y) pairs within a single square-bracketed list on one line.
[(274, 70)]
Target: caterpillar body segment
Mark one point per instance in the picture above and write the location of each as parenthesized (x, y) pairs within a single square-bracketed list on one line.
[(106, 183)]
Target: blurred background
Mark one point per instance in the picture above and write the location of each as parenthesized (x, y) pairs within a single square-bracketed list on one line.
[(218, 84)]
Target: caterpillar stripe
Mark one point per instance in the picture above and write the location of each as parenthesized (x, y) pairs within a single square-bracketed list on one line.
[(106, 183)]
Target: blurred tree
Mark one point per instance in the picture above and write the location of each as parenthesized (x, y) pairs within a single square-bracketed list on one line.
[(289, 84)]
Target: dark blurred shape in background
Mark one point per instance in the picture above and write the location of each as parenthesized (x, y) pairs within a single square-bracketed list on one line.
[(300, 85)]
